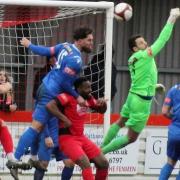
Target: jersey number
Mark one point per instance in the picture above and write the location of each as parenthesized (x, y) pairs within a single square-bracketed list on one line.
[(61, 55)]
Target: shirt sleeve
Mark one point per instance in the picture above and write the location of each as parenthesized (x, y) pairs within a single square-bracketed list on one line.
[(45, 51), (92, 103), (63, 99), (69, 75), (160, 42), (169, 98)]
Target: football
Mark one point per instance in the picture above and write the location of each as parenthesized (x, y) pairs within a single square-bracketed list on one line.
[(123, 12)]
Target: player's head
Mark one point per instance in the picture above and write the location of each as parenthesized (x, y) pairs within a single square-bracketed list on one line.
[(4, 76), (83, 87), (137, 43), (83, 37)]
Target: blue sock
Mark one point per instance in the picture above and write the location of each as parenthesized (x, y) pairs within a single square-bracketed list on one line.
[(166, 172), (67, 173), (35, 147), (25, 141), (178, 176), (39, 174)]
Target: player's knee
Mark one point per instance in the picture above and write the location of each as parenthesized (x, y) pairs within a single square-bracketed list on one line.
[(83, 162), (68, 163), (44, 164), (104, 164), (37, 125), (121, 122), (132, 139), (101, 162)]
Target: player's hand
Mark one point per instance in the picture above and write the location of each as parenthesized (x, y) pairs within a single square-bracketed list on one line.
[(101, 105), (12, 107), (160, 89), (25, 42), (49, 142), (67, 123), (81, 101), (101, 101), (175, 12)]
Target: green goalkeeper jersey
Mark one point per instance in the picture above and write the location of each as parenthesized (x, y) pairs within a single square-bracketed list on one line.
[(142, 65)]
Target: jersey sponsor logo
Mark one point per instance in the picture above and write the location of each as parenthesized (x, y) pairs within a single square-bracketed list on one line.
[(167, 100), (133, 61), (149, 51), (60, 58), (69, 71), (68, 48)]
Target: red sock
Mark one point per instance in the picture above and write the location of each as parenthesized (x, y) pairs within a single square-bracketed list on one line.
[(6, 139), (87, 174), (101, 174)]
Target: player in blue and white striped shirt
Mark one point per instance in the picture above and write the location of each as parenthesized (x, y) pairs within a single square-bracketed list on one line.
[(59, 79)]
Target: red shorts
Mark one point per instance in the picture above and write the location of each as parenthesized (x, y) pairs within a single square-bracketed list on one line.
[(77, 146)]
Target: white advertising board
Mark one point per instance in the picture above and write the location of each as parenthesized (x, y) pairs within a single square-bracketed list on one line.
[(124, 161), (155, 156)]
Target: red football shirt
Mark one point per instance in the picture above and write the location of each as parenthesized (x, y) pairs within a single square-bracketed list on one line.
[(75, 113)]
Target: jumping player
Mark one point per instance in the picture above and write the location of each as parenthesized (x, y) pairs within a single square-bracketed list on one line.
[(46, 147), (59, 79), (143, 71), (72, 140)]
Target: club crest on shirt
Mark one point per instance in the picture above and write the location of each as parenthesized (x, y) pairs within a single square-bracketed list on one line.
[(68, 48)]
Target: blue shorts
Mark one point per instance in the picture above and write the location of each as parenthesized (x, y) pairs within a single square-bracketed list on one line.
[(173, 147), (42, 98)]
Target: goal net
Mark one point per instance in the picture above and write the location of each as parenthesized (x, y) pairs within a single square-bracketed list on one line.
[(48, 23)]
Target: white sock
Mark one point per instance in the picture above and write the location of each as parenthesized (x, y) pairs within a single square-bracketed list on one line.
[(10, 156), (34, 157)]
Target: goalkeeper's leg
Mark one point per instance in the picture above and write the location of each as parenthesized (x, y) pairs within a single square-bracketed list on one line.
[(113, 131), (121, 141)]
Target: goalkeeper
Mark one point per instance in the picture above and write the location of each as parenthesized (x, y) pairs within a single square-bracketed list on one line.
[(143, 71)]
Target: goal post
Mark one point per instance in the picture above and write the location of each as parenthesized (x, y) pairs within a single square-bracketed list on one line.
[(48, 23)]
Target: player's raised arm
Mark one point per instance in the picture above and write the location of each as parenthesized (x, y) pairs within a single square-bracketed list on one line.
[(40, 50), (165, 33)]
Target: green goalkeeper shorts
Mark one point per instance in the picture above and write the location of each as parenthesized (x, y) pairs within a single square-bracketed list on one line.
[(137, 110)]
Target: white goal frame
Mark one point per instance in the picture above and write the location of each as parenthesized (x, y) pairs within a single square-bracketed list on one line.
[(109, 8)]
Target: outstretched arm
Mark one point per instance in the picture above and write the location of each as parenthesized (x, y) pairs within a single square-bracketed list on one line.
[(40, 50), (165, 34)]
